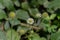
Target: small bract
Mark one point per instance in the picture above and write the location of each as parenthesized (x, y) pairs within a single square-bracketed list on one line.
[(30, 20)]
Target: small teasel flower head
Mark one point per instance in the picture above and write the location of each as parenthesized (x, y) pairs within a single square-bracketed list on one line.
[(45, 14), (30, 20), (38, 15), (22, 31), (31, 31), (12, 14)]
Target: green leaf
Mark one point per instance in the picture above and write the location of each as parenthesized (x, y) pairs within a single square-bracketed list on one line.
[(34, 36), (52, 28), (54, 4), (12, 35), (25, 5), (55, 36), (14, 22), (58, 14), (33, 12), (45, 3), (2, 14), (1, 6), (42, 1), (8, 4), (50, 10), (21, 14), (42, 38), (52, 16), (6, 25), (34, 3), (58, 17), (45, 24), (16, 2), (2, 36)]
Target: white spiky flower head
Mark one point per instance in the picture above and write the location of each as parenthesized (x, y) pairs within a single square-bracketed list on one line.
[(38, 15), (30, 20)]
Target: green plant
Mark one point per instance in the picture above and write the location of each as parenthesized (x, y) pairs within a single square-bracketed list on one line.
[(29, 19)]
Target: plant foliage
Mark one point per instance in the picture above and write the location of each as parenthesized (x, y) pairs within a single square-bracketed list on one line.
[(29, 19)]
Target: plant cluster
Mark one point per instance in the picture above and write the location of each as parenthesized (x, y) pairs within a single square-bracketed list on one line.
[(29, 19)]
